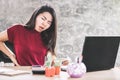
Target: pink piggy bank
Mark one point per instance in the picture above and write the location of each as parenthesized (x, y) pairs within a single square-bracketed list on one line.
[(76, 70)]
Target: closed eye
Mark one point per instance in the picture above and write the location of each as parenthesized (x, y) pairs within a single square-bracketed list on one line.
[(43, 18), (49, 22)]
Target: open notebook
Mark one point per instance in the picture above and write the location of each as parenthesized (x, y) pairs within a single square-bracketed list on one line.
[(12, 72)]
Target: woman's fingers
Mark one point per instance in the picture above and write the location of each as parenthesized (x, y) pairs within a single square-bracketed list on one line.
[(66, 62)]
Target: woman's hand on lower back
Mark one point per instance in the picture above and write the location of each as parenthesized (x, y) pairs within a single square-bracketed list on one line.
[(13, 59)]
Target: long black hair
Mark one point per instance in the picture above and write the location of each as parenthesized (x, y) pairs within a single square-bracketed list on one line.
[(49, 35)]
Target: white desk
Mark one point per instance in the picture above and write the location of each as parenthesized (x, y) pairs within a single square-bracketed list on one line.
[(112, 74)]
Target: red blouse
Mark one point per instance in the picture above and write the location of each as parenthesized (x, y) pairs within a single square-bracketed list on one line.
[(28, 45)]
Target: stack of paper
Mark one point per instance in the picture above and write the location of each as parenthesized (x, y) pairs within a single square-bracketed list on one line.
[(12, 72)]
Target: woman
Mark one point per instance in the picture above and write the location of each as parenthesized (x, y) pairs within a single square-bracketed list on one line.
[(33, 40)]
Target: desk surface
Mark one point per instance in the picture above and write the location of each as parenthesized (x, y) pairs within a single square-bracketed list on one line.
[(112, 74)]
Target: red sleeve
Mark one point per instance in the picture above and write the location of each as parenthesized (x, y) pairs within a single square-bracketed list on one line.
[(12, 32)]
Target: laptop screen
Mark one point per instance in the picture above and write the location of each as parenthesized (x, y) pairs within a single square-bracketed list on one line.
[(99, 52)]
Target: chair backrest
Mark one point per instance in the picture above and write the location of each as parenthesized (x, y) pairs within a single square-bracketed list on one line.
[(99, 52), (3, 57)]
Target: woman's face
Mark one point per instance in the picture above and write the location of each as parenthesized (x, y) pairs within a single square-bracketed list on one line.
[(43, 21)]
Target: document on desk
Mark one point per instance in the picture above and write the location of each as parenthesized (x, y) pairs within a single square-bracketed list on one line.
[(12, 72)]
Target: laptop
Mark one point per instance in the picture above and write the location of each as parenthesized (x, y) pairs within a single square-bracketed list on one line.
[(99, 52)]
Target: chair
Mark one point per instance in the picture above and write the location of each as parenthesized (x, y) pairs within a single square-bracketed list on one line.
[(3, 57), (99, 52)]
